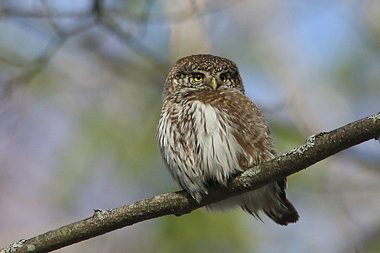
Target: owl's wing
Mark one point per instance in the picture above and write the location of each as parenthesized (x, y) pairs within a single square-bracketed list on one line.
[(250, 129)]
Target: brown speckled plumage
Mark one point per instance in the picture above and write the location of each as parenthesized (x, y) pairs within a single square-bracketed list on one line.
[(210, 130)]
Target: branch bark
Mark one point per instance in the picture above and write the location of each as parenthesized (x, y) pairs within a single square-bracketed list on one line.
[(316, 148)]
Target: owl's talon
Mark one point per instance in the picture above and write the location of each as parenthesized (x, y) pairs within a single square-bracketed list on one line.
[(198, 196)]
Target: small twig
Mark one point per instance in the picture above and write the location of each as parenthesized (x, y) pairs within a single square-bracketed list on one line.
[(7, 11), (98, 8), (315, 149), (34, 67), (133, 43), (177, 16)]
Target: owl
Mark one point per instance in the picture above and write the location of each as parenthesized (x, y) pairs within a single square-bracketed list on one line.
[(209, 131)]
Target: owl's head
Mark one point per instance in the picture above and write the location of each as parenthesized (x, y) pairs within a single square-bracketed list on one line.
[(203, 72)]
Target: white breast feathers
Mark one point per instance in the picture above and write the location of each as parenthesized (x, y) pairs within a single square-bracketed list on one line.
[(218, 149)]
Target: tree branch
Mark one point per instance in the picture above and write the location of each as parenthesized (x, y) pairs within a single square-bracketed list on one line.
[(316, 148)]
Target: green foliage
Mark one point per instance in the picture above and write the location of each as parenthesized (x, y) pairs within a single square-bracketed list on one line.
[(203, 232), (131, 143)]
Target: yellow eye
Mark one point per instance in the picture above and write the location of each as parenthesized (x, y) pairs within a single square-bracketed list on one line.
[(223, 78), (198, 77)]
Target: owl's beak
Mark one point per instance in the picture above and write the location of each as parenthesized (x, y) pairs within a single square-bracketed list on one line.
[(213, 83)]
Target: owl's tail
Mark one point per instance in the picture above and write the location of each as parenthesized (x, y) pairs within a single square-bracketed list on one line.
[(271, 200), (283, 214)]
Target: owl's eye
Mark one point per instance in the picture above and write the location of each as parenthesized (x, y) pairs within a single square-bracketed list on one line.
[(198, 77), (223, 78)]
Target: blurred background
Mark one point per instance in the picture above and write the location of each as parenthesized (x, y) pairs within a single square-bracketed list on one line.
[(80, 97)]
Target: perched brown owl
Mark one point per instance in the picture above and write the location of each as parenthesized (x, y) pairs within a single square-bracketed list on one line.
[(210, 130)]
